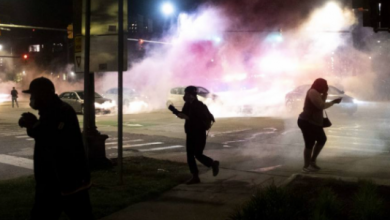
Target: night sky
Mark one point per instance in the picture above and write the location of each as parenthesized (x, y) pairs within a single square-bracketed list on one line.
[(58, 13)]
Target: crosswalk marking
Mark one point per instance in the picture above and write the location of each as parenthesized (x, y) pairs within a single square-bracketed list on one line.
[(23, 136), (17, 161), (137, 145), (360, 149), (115, 139), (160, 148), (141, 145), (13, 133), (114, 143)]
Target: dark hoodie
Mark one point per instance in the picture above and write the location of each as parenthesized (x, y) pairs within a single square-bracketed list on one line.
[(198, 113), (60, 161)]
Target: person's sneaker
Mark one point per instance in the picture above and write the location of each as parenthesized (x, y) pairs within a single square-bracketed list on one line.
[(308, 169), (314, 166), (215, 167), (193, 180)]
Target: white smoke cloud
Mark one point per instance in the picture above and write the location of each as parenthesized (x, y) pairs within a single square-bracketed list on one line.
[(244, 68)]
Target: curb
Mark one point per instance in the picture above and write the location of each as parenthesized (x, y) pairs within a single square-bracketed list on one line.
[(381, 182)]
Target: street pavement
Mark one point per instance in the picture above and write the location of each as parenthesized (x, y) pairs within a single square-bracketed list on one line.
[(253, 151)]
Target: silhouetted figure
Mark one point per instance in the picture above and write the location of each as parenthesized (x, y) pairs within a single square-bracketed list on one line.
[(14, 94), (198, 120), (60, 164), (310, 121)]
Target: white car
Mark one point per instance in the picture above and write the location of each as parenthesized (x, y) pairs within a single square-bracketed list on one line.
[(5, 97), (131, 98), (176, 94)]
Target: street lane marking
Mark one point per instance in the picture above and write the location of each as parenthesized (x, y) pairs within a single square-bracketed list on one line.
[(23, 136), (133, 125), (113, 143), (17, 161), (141, 145), (30, 139), (137, 145), (265, 169), (253, 136), (12, 134), (114, 139), (161, 148), (359, 149), (367, 139)]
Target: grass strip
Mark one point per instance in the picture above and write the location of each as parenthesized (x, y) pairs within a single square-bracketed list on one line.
[(144, 178), (317, 199)]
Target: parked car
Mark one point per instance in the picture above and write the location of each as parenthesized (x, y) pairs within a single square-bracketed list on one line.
[(176, 94), (5, 97), (76, 100), (294, 100), (129, 96)]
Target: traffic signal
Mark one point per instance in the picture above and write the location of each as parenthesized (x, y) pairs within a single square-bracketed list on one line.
[(69, 29), (385, 14), (25, 57), (376, 13)]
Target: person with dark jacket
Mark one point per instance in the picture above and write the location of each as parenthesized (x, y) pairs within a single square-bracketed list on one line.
[(310, 122), (196, 116), (60, 165), (14, 95)]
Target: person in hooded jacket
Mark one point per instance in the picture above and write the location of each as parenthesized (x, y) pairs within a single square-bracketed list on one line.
[(60, 164), (195, 113)]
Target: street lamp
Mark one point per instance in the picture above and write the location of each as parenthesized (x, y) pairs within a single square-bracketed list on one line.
[(167, 8)]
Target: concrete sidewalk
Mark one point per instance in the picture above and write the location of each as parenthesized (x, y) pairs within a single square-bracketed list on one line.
[(215, 198)]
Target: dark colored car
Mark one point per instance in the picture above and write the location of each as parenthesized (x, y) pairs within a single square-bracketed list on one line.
[(76, 100), (294, 100)]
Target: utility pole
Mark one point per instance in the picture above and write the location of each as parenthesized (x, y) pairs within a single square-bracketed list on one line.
[(93, 140), (120, 90)]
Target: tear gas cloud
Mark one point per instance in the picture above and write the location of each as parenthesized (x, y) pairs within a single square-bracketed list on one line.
[(249, 53), (251, 58)]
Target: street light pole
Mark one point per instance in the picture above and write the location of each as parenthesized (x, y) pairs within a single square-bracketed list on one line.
[(120, 90), (86, 121)]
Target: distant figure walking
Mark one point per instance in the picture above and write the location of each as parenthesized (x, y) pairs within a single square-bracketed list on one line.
[(311, 122), (14, 94), (198, 120), (60, 164)]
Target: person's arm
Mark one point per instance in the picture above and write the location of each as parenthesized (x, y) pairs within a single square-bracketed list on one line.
[(183, 114), (319, 100)]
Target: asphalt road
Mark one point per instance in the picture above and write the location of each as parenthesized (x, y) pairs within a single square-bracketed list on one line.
[(253, 144)]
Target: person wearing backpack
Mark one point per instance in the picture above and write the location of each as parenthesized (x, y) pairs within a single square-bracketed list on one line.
[(198, 120)]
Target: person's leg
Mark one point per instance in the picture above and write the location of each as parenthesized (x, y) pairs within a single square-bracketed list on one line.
[(200, 141), (17, 104), (13, 100), (205, 160), (78, 206), (191, 160), (309, 138), (191, 154), (47, 205), (321, 140)]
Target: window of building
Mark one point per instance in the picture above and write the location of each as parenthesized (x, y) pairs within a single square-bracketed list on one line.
[(34, 48)]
